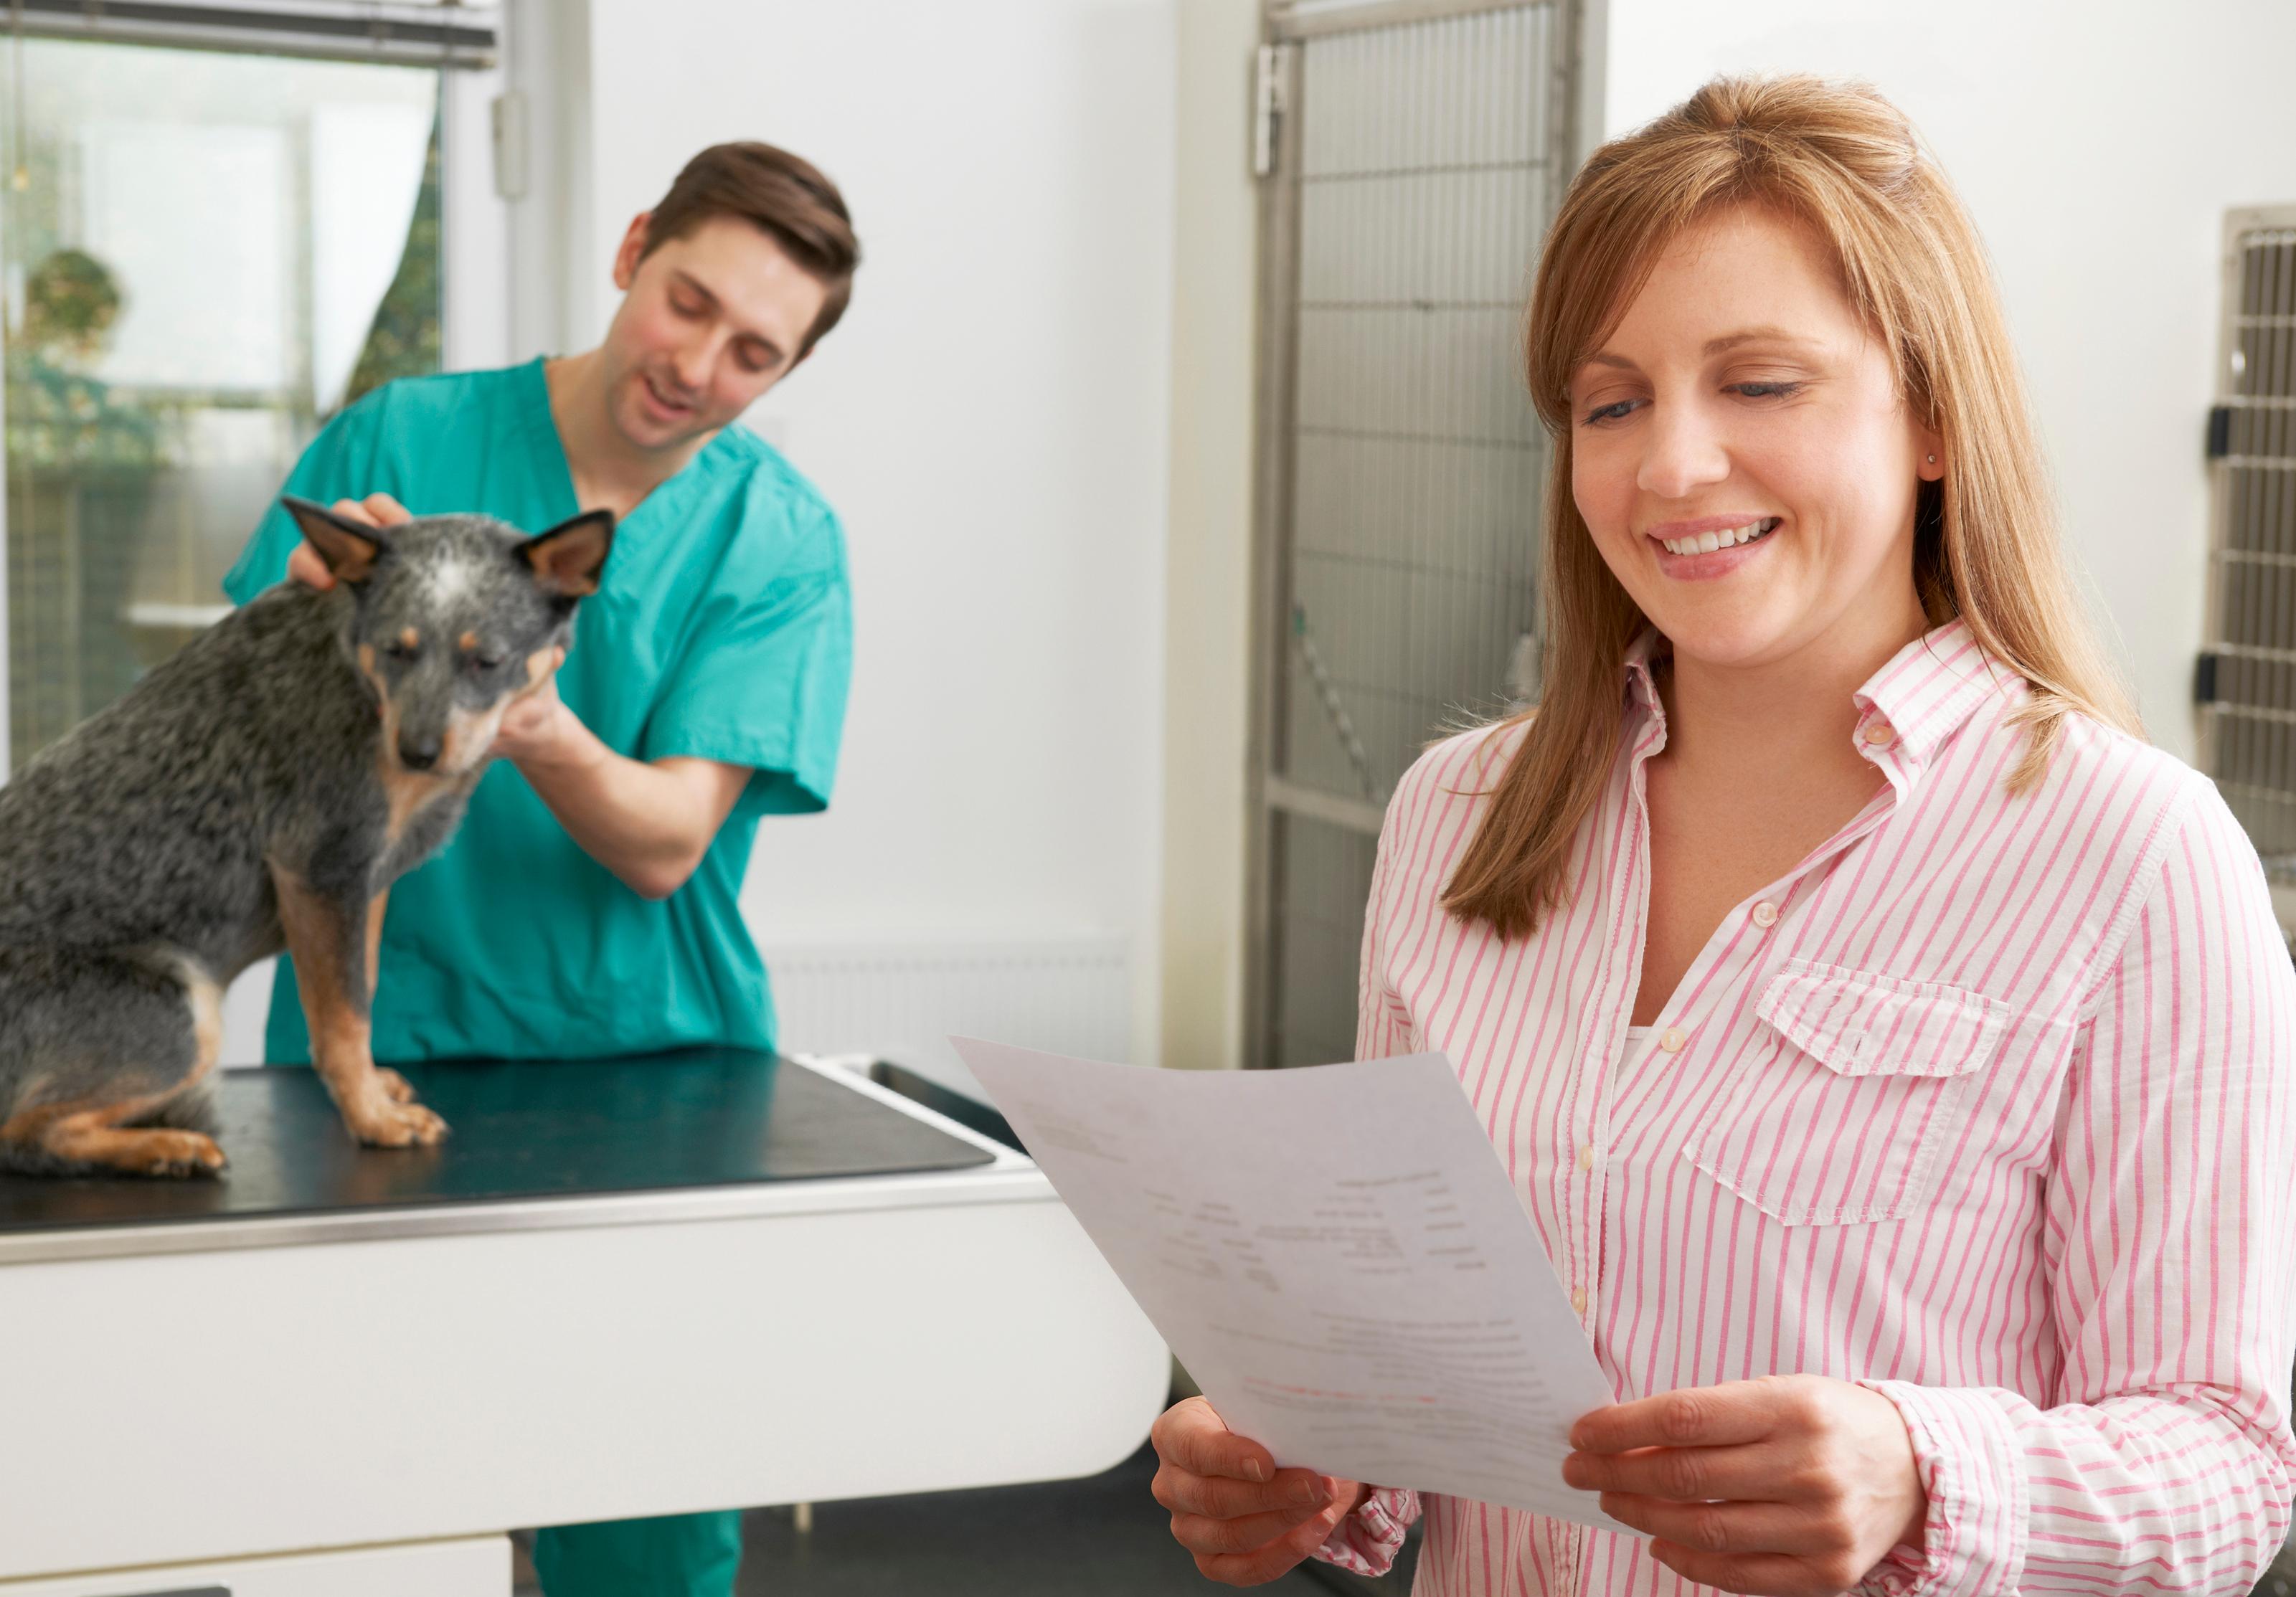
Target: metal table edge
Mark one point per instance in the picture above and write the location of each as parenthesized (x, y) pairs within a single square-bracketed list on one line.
[(1010, 1178)]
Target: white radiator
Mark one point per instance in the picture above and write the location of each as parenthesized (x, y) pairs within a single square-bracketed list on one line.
[(900, 1001)]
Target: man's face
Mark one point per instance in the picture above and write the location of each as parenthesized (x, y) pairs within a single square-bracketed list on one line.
[(708, 323)]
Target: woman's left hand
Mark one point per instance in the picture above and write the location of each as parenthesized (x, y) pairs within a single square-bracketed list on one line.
[(1789, 1486)]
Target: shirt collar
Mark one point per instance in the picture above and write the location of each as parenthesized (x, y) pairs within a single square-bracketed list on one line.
[(1913, 704), (1906, 711)]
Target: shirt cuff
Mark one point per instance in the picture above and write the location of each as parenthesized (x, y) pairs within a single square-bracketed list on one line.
[(1972, 1465), (1367, 1540)]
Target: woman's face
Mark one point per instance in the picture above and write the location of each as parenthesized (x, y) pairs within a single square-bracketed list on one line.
[(1743, 457)]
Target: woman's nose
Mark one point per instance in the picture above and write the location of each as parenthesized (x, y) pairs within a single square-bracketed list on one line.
[(1682, 453)]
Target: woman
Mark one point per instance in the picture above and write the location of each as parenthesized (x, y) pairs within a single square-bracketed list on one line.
[(1892, 1050)]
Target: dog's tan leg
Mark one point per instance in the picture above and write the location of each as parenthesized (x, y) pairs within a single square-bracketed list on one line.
[(329, 945), (89, 1135), (393, 1083), (95, 1134)]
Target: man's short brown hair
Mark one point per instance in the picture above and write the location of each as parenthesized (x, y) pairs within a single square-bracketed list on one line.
[(788, 198)]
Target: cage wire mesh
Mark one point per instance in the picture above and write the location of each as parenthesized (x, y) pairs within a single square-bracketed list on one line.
[(1408, 558), (2251, 703)]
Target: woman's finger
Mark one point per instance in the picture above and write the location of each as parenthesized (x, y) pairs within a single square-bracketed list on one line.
[(1287, 1552), (1760, 1473), (1189, 1434), (1737, 1412), (1720, 1527), (1220, 1497), (355, 511), (1247, 1533)]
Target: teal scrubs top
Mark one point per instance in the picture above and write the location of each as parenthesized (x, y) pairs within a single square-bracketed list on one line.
[(723, 630)]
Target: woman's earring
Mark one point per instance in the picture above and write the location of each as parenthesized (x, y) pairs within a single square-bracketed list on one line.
[(1932, 459)]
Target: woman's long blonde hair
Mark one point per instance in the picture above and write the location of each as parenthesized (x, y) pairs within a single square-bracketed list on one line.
[(1846, 163)]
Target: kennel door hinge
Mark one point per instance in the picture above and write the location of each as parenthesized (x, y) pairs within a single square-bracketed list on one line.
[(1270, 98), (2204, 680), (2219, 431)]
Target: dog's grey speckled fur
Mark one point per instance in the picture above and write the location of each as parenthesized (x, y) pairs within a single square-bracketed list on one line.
[(137, 854)]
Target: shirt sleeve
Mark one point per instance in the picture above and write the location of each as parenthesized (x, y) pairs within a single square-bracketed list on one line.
[(341, 463), (2164, 1460), (1366, 1542), (765, 676)]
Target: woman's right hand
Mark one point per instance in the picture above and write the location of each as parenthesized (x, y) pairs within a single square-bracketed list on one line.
[(1245, 1520)]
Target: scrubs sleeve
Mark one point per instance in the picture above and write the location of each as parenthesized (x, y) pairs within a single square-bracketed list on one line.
[(341, 463), (764, 678)]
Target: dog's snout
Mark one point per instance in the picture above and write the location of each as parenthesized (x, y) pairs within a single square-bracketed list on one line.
[(419, 753)]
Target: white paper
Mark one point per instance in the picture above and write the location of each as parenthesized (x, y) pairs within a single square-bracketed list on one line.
[(1335, 1254)]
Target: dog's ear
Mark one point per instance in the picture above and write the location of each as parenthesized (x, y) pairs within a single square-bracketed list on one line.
[(349, 549), (567, 559)]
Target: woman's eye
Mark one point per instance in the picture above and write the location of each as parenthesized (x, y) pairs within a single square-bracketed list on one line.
[(1614, 411), (1766, 390)]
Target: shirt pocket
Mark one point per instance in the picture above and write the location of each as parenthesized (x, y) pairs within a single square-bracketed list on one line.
[(1852, 1084)]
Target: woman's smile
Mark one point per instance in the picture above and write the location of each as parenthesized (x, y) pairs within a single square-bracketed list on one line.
[(1710, 546)]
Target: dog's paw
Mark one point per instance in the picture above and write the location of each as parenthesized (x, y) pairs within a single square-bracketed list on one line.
[(394, 1083), (387, 1124), (177, 1153)]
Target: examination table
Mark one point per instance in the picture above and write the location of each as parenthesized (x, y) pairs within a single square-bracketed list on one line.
[(621, 1287)]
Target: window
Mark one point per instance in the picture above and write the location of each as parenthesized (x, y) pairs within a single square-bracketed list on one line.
[(206, 253)]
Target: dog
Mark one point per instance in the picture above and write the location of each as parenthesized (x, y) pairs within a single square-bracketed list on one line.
[(260, 789)]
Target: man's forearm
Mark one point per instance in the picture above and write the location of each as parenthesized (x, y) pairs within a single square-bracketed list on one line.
[(649, 824)]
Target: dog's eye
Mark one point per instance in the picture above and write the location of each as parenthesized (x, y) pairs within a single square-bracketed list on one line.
[(398, 650), (487, 663)]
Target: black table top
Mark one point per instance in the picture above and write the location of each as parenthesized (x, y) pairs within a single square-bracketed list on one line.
[(703, 1117)]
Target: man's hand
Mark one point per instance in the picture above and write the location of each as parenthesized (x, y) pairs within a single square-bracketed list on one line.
[(1245, 1520), (376, 510), (537, 726), (1791, 1485)]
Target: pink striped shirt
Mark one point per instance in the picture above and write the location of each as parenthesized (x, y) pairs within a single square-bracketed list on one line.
[(1985, 1104)]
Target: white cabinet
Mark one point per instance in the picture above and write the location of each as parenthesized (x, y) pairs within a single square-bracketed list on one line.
[(468, 1567)]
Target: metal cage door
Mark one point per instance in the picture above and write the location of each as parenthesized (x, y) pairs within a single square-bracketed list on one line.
[(2247, 678), (1410, 156)]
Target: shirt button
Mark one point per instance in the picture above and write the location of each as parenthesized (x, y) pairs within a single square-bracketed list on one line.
[(1880, 733), (1673, 1038), (1765, 914), (1586, 1156), (1578, 1300)]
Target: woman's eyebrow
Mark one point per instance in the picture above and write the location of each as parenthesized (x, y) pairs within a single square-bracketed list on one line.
[(1714, 346), (1755, 335)]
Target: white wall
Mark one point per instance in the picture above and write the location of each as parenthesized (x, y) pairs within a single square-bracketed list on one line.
[(990, 422), (1208, 552), (2098, 147)]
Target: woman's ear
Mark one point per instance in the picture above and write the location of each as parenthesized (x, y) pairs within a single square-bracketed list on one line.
[(567, 559), (349, 549)]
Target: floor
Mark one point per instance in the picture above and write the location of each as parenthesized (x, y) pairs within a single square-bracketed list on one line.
[(1104, 1535)]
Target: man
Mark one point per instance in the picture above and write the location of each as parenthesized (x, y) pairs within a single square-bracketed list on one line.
[(589, 904)]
